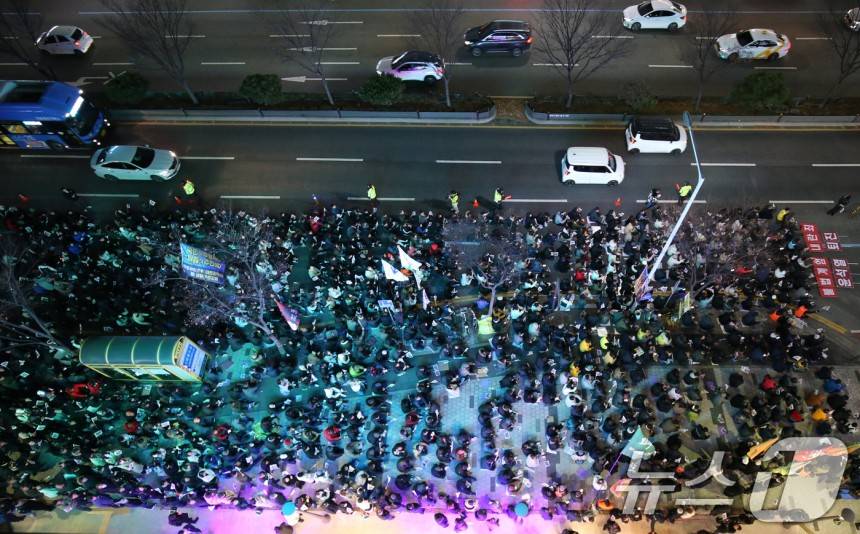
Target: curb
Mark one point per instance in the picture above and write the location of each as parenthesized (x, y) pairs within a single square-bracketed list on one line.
[(702, 121), (179, 116)]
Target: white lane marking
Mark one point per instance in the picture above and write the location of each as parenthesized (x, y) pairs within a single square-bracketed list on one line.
[(9, 37), (111, 63), (222, 62), (775, 68), (54, 156), (456, 63), (836, 164), (311, 49), (800, 201), (220, 158), (348, 160), (398, 35), (536, 200), (12, 64), (670, 66), (327, 22), (340, 63), (96, 36), (643, 201), (252, 197), (303, 79), (384, 199), (278, 35), (855, 331), (109, 195), (612, 37), (705, 38), (189, 36), (470, 161), (552, 64), (813, 38), (693, 164)]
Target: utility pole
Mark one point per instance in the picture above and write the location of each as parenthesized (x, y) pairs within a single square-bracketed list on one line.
[(701, 180)]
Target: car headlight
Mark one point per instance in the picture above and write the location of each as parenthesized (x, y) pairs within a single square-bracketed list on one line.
[(468, 43)]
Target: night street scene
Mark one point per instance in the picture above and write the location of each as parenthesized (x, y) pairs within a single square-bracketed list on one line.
[(426, 266)]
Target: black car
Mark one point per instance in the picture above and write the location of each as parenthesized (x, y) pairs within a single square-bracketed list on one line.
[(499, 36)]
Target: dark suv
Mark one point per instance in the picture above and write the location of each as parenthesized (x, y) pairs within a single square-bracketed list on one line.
[(500, 36)]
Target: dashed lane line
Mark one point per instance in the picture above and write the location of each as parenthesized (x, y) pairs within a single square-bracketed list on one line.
[(222, 158), (54, 156), (384, 199), (800, 201), (469, 161), (222, 62), (537, 200), (836, 164), (251, 197), (341, 160), (715, 164)]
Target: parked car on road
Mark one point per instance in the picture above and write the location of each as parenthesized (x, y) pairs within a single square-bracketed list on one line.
[(655, 135), (591, 165), (655, 15), (61, 40), (499, 37), (124, 162), (413, 66), (756, 43)]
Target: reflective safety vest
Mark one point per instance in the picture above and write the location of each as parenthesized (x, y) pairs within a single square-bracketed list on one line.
[(371, 192), (604, 343), (685, 191), (584, 345), (454, 198), (497, 196), (781, 215), (188, 187), (663, 340)]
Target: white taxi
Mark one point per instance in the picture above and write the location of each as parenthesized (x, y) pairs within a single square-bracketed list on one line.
[(753, 44)]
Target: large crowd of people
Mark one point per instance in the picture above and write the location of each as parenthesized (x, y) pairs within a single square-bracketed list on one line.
[(573, 326)]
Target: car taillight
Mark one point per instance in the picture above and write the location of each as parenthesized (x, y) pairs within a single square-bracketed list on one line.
[(77, 43), (440, 70), (529, 40)]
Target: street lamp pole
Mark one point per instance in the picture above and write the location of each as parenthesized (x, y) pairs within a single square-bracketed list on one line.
[(701, 180)]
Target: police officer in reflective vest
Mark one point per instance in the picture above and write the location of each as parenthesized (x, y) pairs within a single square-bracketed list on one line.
[(454, 197), (371, 193), (684, 192)]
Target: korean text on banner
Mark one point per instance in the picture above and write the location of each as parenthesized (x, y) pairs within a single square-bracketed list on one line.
[(201, 265)]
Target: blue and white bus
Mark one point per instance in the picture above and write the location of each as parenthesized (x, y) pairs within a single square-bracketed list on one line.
[(48, 115)]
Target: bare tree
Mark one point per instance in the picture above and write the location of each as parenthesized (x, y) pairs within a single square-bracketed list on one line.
[(577, 39), (243, 243), (20, 26), (158, 30), (21, 323), (304, 35), (845, 45), (496, 252), (707, 27), (439, 24)]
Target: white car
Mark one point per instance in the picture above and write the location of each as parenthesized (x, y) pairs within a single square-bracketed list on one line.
[(413, 66), (655, 135), (64, 40), (852, 19), (756, 43), (591, 165), (123, 162), (655, 15)]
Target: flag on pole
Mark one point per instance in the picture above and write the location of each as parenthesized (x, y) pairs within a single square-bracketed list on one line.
[(638, 442), (418, 277), (290, 315), (424, 300), (406, 261), (393, 274)]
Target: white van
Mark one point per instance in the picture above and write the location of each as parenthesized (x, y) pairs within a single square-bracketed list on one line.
[(591, 165)]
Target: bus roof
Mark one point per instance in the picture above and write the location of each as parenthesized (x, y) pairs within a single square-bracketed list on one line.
[(32, 100)]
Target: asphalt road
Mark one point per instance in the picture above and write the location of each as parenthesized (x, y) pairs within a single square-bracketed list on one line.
[(234, 40), (289, 164)]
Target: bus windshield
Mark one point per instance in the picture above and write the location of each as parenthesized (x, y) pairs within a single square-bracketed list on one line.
[(84, 119)]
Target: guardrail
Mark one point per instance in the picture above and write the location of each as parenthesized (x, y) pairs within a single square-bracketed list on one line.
[(538, 117), (260, 115)]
